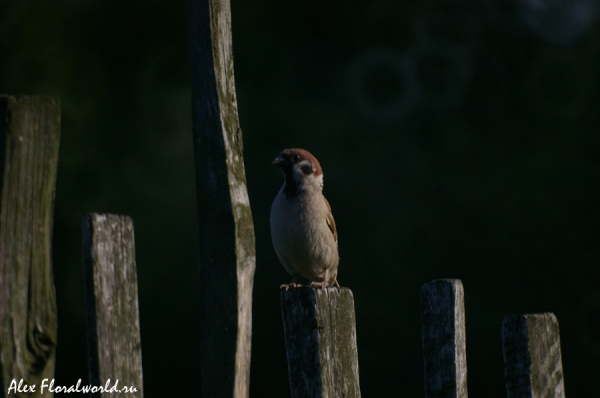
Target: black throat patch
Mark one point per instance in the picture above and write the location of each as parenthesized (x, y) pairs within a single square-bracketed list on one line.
[(290, 188)]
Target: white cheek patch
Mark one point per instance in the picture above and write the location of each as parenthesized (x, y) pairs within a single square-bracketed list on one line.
[(303, 173), (320, 180), (297, 173), (301, 169)]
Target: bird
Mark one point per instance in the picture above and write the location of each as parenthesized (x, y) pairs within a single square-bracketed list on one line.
[(303, 229)]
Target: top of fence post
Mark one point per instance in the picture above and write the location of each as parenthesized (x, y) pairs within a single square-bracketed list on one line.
[(532, 357), (444, 345), (227, 251), (29, 141), (112, 314), (320, 340)]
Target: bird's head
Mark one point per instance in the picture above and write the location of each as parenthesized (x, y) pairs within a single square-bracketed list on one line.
[(300, 168)]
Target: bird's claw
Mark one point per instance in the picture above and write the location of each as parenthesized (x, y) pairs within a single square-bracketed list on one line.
[(288, 286), (322, 285)]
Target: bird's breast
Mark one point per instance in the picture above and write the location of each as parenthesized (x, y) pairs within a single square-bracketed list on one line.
[(301, 238)]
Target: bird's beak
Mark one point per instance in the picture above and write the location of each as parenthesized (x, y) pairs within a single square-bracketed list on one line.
[(278, 161)]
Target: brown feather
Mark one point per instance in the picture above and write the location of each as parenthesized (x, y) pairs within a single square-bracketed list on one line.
[(331, 221)]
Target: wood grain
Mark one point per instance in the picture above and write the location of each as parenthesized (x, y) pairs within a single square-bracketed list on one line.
[(29, 141), (320, 338), (226, 231), (112, 314), (532, 357)]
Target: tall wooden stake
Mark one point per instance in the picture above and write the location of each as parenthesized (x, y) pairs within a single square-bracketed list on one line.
[(227, 251), (444, 345), (29, 139), (532, 358), (113, 325)]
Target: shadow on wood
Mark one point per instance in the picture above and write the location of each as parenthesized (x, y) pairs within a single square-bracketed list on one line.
[(444, 345), (227, 250), (532, 357)]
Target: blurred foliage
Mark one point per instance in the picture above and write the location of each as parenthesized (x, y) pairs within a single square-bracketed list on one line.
[(459, 139)]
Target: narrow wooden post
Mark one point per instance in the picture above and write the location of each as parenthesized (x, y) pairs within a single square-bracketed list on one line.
[(227, 251), (444, 348), (532, 358), (320, 340), (29, 140), (113, 327)]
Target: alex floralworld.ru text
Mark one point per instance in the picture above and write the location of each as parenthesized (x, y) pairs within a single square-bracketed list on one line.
[(48, 384)]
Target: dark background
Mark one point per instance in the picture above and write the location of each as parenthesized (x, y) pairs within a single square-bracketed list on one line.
[(458, 138)]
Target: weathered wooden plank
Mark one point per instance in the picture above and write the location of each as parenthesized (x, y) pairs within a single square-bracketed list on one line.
[(444, 347), (29, 141), (532, 358), (113, 327), (320, 339), (227, 250)]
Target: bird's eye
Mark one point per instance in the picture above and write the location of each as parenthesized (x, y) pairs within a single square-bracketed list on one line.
[(296, 158)]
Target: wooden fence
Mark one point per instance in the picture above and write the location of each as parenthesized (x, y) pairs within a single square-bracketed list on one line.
[(319, 324)]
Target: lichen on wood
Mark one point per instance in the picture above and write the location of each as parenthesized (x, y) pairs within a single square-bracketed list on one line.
[(226, 231)]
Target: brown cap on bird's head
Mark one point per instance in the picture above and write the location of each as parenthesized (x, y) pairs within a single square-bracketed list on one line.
[(288, 157)]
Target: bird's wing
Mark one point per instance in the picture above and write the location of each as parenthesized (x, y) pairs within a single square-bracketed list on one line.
[(331, 221)]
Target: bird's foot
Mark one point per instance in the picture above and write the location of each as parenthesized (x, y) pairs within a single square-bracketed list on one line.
[(322, 285), (288, 286)]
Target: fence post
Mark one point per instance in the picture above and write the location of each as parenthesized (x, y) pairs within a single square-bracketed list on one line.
[(29, 141), (320, 340), (113, 327), (444, 347), (226, 232), (532, 358)]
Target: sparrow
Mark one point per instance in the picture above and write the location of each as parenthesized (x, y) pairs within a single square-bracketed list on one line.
[(302, 227)]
